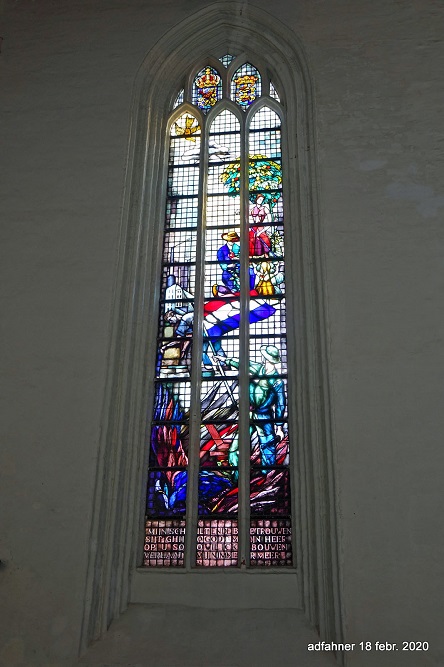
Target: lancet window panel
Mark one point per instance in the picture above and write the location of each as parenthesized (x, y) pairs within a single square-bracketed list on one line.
[(219, 440), (270, 492), (207, 88), (246, 86)]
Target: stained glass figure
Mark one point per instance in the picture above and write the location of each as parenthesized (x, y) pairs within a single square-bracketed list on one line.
[(179, 99), (226, 59), (268, 400), (273, 93), (207, 89), (231, 412), (246, 85)]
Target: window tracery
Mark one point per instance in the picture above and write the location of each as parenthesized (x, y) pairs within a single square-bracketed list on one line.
[(219, 442)]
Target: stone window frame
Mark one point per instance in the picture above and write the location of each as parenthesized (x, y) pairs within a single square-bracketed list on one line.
[(114, 578)]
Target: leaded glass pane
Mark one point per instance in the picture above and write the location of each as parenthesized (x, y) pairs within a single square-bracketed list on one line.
[(169, 431), (218, 476), (179, 99), (236, 416), (246, 85), (269, 442), (207, 89), (273, 93), (217, 543), (270, 542), (217, 439), (226, 59), (270, 491), (164, 543)]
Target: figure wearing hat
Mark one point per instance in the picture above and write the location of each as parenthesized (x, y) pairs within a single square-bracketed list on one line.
[(228, 258), (267, 405)]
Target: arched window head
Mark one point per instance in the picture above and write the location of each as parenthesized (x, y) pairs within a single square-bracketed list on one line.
[(246, 86), (218, 490), (207, 88), (216, 184)]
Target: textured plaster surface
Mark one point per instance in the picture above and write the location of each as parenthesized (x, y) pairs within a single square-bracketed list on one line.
[(66, 75), (379, 97), (155, 636)]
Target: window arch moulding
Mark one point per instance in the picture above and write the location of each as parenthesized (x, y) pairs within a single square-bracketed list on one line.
[(113, 576)]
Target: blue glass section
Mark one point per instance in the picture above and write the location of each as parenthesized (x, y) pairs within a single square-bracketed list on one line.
[(217, 491), (166, 492)]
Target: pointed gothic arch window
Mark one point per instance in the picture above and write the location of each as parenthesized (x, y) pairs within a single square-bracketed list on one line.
[(219, 478), (163, 96)]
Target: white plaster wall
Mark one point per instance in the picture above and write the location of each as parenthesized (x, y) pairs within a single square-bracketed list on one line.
[(379, 98), (66, 74)]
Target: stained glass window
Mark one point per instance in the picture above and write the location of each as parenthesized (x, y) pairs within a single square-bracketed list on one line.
[(219, 447)]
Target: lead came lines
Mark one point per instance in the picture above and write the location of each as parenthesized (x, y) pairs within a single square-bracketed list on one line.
[(221, 356)]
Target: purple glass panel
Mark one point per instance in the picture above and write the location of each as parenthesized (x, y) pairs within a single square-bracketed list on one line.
[(164, 543), (270, 491), (217, 543), (270, 542)]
